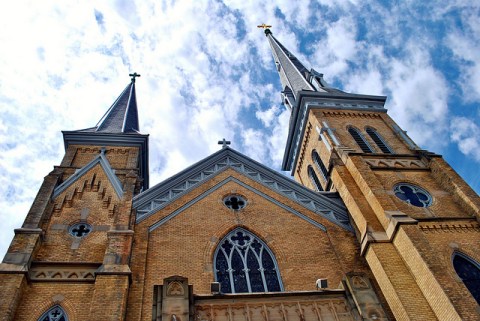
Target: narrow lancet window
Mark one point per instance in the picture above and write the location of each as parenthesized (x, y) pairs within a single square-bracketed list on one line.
[(55, 313), (379, 140), (360, 140), (469, 271), (318, 162), (314, 179), (244, 264)]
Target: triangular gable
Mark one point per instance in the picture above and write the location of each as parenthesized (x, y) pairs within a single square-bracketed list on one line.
[(326, 204), (103, 161), (225, 181)]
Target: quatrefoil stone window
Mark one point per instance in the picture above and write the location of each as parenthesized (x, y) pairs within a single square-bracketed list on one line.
[(235, 202), (80, 230), (413, 195)]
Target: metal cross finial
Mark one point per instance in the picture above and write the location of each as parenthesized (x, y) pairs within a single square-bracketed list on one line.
[(134, 75), (224, 143), (264, 26)]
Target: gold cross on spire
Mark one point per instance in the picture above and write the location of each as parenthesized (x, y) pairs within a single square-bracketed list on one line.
[(264, 26)]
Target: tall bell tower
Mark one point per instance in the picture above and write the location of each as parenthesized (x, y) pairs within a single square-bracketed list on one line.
[(416, 219)]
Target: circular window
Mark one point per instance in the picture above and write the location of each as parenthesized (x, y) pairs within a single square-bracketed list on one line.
[(235, 202), (413, 195), (80, 229)]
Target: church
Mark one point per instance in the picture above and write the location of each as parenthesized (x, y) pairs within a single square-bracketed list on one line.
[(371, 227)]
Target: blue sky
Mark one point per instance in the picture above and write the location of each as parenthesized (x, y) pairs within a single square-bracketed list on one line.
[(207, 73)]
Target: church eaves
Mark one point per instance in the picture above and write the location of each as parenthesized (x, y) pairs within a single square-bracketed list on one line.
[(327, 205)]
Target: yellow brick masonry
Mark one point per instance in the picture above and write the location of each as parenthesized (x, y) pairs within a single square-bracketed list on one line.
[(185, 245), (45, 238), (409, 265)]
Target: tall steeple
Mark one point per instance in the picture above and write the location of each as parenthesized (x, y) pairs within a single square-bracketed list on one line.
[(119, 126), (122, 116), (304, 90), (293, 74)]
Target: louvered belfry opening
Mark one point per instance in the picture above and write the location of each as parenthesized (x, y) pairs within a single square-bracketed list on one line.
[(379, 141), (360, 140), (314, 178)]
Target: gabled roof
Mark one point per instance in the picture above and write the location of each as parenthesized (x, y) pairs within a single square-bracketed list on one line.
[(103, 161), (326, 204)]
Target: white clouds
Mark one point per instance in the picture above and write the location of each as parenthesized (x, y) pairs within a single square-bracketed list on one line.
[(207, 74), (467, 134)]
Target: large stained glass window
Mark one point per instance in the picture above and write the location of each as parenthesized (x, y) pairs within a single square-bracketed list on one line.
[(469, 271), (244, 264), (55, 313)]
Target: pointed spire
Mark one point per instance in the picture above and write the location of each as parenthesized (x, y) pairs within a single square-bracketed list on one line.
[(122, 116), (293, 74)]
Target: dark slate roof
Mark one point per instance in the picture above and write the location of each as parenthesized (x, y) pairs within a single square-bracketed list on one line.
[(122, 116), (292, 72), (325, 204)]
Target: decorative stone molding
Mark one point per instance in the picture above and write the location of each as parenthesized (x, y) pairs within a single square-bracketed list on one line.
[(287, 307), (327, 205), (446, 227), (62, 272), (396, 163), (351, 114)]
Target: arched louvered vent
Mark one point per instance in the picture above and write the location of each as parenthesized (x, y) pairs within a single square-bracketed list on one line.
[(379, 140), (469, 271), (318, 162), (313, 177), (360, 140)]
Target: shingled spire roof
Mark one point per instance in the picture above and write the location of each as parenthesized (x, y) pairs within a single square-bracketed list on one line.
[(122, 116), (118, 127), (293, 74)]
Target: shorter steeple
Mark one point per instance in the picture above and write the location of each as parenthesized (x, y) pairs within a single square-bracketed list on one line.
[(119, 126), (122, 116)]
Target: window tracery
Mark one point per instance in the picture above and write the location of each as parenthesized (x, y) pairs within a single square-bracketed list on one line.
[(413, 195), (55, 313), (244, 264), (469, 271)]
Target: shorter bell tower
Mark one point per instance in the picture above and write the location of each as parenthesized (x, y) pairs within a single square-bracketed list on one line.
[(77, 237)]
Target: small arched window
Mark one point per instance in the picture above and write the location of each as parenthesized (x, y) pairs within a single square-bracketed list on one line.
[(360, 140), (244, 264), (55, 313), (379, 140), (469, 271), (318, 162), (314, 179)]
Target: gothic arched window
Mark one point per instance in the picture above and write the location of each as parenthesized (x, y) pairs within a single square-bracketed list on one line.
[(55, 313), (469, 271), (379, 140), (243, 263), (313, 177), (360, 140), (318, 162)]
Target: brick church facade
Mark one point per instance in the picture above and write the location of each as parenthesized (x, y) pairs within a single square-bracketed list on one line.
[(372, 228)]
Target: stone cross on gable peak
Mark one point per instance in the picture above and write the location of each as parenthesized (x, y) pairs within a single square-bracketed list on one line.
[(224, 143)]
